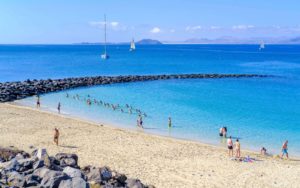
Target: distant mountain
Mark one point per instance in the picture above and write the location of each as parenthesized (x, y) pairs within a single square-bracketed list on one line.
[(149, 42), (236, 40)]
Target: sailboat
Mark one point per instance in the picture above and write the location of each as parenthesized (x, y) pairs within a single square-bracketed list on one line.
[(132, 46), (262, 46), (104, 55)]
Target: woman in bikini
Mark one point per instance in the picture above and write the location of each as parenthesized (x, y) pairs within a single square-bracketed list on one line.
[(237, 148)]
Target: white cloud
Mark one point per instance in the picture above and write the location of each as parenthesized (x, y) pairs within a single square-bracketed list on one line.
[(155, 30), (193, 28), (242, 27), (114, 24)]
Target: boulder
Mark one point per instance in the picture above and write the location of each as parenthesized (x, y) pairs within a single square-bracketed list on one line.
[(11, 165), (32, 180), (53, 178), (42, 154), (93, 174), (78, 182), (73, 172), (134, 183), (105, 173), (38, 164), (65, 184), (67, 160), (60, 156), (16, 179), (121, 178)]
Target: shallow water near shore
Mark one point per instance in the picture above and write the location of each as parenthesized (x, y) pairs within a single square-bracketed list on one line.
[(260, 111), (198, 109)]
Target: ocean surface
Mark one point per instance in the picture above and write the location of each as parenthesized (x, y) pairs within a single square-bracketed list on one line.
[(259, 111)]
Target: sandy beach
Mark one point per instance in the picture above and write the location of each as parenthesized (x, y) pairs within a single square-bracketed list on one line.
[(160, 161)]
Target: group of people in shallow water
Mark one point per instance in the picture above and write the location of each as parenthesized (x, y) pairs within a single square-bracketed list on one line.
[(237, 146), (116, 107)]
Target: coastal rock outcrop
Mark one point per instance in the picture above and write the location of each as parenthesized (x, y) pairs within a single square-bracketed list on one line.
[(10, 91), (19, 169)]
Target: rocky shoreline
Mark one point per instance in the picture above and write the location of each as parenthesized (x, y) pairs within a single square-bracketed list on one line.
[(10, 91), (20, 169)]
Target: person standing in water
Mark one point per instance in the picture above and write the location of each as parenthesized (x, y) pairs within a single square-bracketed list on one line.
[(170, 122), (230, 146), (284, 149), (237, 149), (58, 107), (38, 102), (140, 121), (56, 136)]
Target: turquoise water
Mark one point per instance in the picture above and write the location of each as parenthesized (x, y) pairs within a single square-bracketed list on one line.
[(261, 112)]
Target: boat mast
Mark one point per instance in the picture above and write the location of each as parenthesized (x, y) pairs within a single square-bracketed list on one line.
[(104, 34)]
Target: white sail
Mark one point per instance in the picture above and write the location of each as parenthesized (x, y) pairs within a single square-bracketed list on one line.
[(132, 45), (262, 46), (105, 55)]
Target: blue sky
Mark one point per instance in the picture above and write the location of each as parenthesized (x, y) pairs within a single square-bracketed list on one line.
[(71, 21)]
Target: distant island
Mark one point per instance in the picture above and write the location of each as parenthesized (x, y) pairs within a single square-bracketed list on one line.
[(149, 42), (236, 40), (220, 40)]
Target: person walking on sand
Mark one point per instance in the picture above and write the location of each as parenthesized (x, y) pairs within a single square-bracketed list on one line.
[(230, 146), (284, 149), (237, 149), (56, 136), (58, 107), (170, 122), (38, 101)]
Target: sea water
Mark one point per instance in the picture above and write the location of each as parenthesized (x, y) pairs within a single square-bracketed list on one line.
[(258, 111)]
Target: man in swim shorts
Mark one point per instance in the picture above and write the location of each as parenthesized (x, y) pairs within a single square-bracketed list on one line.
[(230, 146)]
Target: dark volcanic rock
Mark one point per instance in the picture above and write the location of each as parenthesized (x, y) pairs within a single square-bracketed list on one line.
[(21, 170), (11, 91)]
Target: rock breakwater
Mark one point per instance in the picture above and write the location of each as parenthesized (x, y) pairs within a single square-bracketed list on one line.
[(10, 91)]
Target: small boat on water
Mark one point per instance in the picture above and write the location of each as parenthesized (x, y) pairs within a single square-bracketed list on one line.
[(132, 46), (104, 55), (262, 46)]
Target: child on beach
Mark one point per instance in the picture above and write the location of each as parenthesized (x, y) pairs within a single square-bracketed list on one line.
[(230, 146)]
